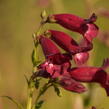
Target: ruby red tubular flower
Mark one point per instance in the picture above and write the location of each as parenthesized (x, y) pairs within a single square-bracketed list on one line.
[(49, 70), (49, 48), (86, 27), (65, 80), (91, 74), (52, 52), (68, 43)]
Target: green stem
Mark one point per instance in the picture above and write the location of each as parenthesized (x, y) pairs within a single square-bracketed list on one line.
[(30, 96), (39, 30), (37, 34), (29, 103)]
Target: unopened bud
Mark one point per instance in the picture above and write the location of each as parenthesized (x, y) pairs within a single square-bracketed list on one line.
[(43, 14)]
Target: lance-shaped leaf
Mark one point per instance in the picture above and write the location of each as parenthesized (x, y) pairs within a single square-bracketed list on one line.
[(39, 104), (35, 56), (14, 101), (57, 90)]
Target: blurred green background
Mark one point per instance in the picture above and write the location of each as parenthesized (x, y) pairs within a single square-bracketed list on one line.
[(18, 20)]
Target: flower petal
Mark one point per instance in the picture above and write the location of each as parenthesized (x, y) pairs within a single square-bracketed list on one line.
[(71, 85), (81, 58), (92, 32), (55, 70)]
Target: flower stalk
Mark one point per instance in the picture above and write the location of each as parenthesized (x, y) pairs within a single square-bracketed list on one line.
[(30, 95), (31, 85), (42, 91)]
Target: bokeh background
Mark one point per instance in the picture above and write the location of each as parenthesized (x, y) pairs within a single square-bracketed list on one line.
[(18, 20)]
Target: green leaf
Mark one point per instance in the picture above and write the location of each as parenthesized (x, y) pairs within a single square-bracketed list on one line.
[(43, 14), (39, 104), (14, 101), (35, 57), (57, 90)]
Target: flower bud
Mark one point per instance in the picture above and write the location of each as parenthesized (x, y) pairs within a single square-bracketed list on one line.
[(43, 14)]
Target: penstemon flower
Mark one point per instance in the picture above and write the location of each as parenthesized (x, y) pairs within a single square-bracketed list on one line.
[(68, 43), (86, 27), (91, 74), (70, 84), (52, 52), (48, 47)]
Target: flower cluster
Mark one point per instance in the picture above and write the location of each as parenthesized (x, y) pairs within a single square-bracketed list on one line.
[(58, 64)]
